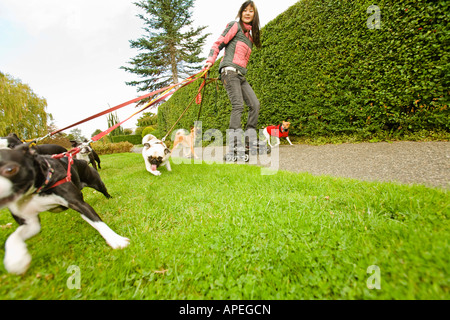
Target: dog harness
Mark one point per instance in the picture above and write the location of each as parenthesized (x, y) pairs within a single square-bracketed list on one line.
[(50, 172), (277, 131), (238, 47)]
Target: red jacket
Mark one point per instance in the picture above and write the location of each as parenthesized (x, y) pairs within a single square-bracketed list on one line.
[(276, 131)]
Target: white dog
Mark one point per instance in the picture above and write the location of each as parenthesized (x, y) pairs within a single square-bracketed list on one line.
[(280, 131), (155, 154)]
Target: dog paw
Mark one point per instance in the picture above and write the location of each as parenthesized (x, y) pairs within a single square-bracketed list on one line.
[(119, 242), (17, 263)]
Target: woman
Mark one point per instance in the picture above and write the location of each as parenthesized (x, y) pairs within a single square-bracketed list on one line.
[(238, 39)]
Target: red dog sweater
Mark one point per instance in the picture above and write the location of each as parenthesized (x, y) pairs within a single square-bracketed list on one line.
[(277, 131)]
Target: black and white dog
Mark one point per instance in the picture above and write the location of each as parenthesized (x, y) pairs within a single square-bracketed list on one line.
[(31, 183), (12, 140), (86, 153), (155, 154)]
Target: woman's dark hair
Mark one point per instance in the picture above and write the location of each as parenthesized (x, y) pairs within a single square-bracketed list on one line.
[(255, 22)]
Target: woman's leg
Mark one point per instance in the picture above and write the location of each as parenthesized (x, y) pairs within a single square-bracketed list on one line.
[(232, 83), (253, 105), (253, 113)]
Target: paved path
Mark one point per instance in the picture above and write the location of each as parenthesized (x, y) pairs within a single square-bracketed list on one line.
[(406, 162)]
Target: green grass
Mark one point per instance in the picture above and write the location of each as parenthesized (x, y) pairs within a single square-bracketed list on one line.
[(216, 231)]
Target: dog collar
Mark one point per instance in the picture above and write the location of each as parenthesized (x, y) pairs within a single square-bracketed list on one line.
[(47, 179)]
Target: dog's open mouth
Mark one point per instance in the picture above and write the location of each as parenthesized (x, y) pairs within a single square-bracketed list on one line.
[(154, 162)]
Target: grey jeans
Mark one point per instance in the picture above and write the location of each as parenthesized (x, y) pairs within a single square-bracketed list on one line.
[(240, 91)]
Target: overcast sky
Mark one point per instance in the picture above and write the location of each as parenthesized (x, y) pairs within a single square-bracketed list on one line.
[(70, 52)]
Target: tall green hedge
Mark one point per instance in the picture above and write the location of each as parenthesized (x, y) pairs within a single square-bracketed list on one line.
[(325, 70)]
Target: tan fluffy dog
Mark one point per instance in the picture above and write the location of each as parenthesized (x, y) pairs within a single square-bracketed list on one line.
[(186, 141)]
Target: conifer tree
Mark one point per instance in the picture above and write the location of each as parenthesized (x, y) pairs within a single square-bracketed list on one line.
[(170, 47), (113, 119)]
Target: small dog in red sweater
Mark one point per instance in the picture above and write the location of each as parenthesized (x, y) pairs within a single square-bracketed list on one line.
[(279, 131)]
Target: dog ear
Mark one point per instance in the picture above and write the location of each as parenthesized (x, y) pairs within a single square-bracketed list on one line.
[(146, 145), (13, 135), (42, 165), (16, 142), (25, 148), (166, 151)]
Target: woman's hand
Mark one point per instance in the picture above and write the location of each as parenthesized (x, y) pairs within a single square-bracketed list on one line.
[(208, 65)]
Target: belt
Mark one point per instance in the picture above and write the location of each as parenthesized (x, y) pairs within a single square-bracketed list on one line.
[(225, 69)]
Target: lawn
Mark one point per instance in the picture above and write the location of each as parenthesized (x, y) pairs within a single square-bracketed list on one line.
[(226, 231)]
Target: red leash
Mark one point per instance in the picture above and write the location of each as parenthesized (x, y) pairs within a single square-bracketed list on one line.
[(104, 133), (191, 79), (167, 92), (188, 81)]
